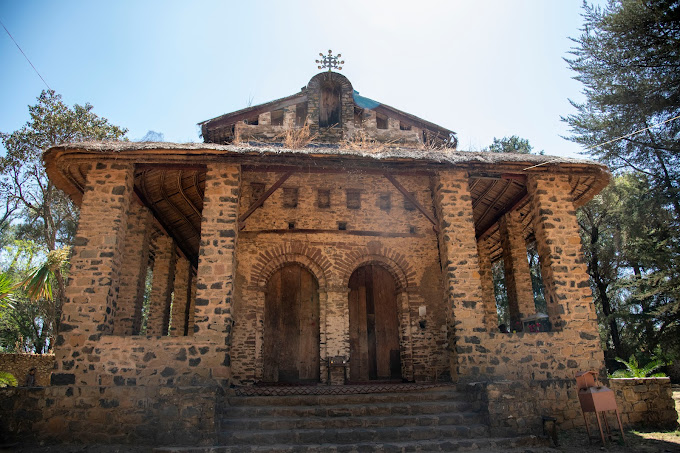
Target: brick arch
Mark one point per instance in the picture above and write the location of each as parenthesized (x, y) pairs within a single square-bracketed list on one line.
[(316, 81), (270, 261), (393, 262)]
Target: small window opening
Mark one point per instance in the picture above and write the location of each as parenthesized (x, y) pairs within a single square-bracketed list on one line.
[(300, 114), (277, 117), (253, 121), (404, 127), (408, 205), (353, 199), (256, 191), (412, 229), (290, 197), (323, 198), (342, 226), (291, 225), (385, 201), (358, 117), (330, 108), (380, 121)]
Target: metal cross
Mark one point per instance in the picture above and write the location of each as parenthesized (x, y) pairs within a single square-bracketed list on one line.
[(329, 61)]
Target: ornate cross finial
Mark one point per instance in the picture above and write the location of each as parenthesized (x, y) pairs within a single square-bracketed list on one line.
[(329, 61)]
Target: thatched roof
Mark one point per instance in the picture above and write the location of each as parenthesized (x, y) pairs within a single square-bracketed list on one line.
[(170, 176)]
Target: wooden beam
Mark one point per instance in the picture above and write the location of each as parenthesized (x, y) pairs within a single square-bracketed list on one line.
[(413, 201), (168, 166), (516, 203), (263, 198), (341, 232)]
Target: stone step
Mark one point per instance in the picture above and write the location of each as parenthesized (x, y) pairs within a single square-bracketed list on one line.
[(348, 436), (278, 423), (476, 444), (348, 410), (327, 400)]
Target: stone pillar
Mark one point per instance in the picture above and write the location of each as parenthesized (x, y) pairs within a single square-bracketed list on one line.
[(488, 292), (192, 305), (180, 300), (516, 266), (336, 328), (264, 119), (161, 289), (565, 277), (92, 289), (216, 266), (133, 274), (289, 117), (458, 252)]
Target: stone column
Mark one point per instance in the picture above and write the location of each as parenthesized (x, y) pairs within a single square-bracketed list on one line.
[(133, 274), (458, 251), (216, 266), (92, 289), (336, 327), (516, 266), (180, 300), (565, 277), (161, 289), (192, 305), (488, 292)]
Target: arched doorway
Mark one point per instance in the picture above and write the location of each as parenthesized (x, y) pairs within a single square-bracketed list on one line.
[(373, 325), (291, 326)]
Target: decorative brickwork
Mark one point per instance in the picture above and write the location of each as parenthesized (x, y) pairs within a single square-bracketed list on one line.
[(133, 273), (517, 274), (161, 289)]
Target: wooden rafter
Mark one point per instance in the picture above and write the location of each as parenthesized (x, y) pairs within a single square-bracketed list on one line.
[(263, 198), (493, 203), (485, 193), (175, 208), (413, 201), (181, 192), (515, 203)]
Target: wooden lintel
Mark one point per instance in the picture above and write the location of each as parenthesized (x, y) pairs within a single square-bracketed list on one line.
[(516, 203), (413, 201), (263, 198), (495, 177), (341, 232), (330, 170), (169, 166), (165, 229)]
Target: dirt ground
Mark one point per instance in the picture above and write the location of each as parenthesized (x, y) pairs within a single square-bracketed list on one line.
[(573, 441)]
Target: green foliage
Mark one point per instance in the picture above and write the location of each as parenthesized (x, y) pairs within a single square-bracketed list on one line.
[(36, 212), (512, 144), (634, 370), (7, 380)]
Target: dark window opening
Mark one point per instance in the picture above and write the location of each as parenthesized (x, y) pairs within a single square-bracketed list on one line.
[(380, 121), (300, 114), (256, 191), (290, 197), (353, 199), (253, 121), (330, 108), (412, 230), (323, 198), (277, 117), (408, 205), (342, 226), (404, 127), (291, 225), (385, 201)]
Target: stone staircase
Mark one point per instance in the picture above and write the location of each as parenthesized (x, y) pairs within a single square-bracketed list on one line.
[(434, 419)]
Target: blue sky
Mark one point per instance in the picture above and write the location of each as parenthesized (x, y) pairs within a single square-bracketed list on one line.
[(484, 69)]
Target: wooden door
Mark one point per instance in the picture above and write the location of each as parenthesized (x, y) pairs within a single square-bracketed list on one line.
[(291, 326), (373, 325)]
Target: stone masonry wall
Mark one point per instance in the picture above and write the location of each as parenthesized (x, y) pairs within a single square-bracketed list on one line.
[(516, 407), (395, 237), (20, 364)]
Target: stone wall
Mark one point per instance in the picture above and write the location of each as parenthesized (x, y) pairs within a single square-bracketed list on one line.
[(20, 364), (516, 407), (384, 231), (151, 415), (647, 402)]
